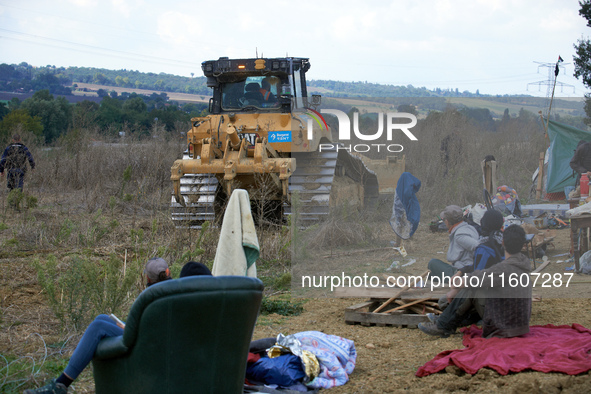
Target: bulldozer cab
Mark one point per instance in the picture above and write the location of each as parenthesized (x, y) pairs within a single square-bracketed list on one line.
[(257, 85)]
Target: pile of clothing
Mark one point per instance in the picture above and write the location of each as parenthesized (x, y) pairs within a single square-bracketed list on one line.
[(305, 361)]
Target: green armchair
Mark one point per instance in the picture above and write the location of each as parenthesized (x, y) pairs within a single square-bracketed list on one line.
[(184, 335)]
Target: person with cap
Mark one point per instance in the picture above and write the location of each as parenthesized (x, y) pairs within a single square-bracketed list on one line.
[(466, 305), (14, 160), (463, 239), (103, 326), (156, 271)]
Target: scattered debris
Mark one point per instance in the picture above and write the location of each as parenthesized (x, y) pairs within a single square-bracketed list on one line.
[(411, 262)]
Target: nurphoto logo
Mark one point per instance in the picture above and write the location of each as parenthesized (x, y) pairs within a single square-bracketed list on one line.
[(392, 126)]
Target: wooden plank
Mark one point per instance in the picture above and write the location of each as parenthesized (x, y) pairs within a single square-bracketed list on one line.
[(541, 267), (410, 308), (405, 305), (361, 306), (363, 292), (417, 310), (402, 290), (429, 301), (366, 318), (422, 309), (430, 309), (388, 292), (540, 175)]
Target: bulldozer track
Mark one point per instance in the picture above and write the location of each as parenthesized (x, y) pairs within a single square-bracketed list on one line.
[(311, 182), (198, 191)]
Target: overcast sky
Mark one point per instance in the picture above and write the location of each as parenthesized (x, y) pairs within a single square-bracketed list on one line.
[(489, 45)]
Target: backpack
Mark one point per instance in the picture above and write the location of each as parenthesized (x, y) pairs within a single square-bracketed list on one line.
[(487, 254)]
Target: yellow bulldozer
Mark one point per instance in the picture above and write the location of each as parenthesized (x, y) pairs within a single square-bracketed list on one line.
[(264, 134)]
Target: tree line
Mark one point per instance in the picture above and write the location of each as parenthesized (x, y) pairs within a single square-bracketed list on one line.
[(367, 89), (48, 117), (59, 80)]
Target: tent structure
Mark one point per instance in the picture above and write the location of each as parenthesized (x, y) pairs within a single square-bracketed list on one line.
[(563, 142)]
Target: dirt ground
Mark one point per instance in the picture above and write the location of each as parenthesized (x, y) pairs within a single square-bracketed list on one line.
[(388, 357)]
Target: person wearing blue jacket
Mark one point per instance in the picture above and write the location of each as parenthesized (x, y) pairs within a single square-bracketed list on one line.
[(14, 160)]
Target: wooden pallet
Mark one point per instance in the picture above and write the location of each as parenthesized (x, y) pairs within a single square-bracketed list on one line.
[(410, 314)]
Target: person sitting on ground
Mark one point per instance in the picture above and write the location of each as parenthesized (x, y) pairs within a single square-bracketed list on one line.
[(507, 310), (103, 326), (463, 308), (463, 239)]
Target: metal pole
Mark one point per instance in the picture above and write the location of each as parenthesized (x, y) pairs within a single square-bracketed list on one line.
[(552, 98)]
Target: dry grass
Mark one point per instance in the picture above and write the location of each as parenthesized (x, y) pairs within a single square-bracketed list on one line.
[(97, 202), (516, 147), (103, 200)]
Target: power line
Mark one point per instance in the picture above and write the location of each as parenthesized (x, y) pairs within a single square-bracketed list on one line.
[(85, 21), (90, 48), (551, 77)]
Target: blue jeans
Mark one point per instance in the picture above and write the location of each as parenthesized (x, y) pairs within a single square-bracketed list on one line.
[(16, 179), (102, 327)]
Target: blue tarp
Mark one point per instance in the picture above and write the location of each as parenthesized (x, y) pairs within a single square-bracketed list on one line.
[(406, 211)]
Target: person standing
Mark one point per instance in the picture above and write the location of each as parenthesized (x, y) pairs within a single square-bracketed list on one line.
[(14, 160)]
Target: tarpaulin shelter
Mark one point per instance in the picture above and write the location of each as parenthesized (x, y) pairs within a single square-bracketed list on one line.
[(563, 142)]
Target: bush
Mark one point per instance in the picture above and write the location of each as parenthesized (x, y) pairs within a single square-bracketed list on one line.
[(15, 198), (281, 307), (80, 290)]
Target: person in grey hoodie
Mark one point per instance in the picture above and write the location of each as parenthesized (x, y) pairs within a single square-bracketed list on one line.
[(463, 239)]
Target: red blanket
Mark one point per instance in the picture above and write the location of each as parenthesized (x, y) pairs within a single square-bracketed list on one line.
[(546, 348)]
